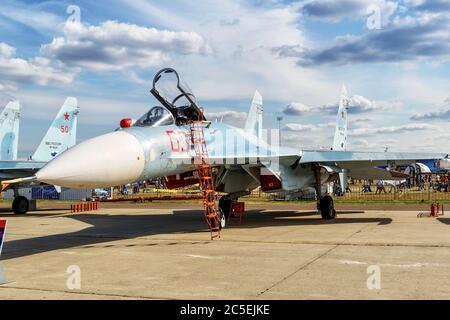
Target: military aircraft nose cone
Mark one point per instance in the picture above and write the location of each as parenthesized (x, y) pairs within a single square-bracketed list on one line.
[(109, 160)]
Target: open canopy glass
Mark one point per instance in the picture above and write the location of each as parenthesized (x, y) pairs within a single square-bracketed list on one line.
[(176, 96)]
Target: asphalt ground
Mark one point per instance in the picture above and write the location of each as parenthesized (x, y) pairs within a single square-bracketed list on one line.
[(163, 251)]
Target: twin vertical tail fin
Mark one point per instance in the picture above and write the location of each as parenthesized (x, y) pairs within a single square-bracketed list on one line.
[(9, 131), (253, 124), (62, 133), (340, 134)]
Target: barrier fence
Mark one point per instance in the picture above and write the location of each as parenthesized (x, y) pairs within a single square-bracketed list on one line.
[(84, 206), (359, 192)]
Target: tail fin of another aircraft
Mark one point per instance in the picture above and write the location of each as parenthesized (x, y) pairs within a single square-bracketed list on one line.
[(9, 131), (254, 119), (62, 133), (340, 134)]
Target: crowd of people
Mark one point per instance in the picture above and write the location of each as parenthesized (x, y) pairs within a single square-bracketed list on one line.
[(141, 186), (436, 182)]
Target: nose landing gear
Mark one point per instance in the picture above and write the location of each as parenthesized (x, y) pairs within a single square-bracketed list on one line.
[(20, 205)]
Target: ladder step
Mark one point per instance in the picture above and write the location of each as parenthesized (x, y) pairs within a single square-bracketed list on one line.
[(204, 173), (210, 203)]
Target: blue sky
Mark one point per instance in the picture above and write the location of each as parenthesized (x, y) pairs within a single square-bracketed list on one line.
[(393, 57)]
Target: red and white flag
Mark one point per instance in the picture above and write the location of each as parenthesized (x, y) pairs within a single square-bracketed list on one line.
[(2, 233)]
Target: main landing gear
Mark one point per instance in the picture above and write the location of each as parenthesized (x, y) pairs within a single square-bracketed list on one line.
[(20, 203), (326, 207), (225, 206), (325, 204)]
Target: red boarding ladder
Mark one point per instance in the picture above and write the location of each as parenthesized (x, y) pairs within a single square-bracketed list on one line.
[(204, 172)]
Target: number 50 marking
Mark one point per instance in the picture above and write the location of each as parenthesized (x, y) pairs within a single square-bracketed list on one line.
[(64, 129)]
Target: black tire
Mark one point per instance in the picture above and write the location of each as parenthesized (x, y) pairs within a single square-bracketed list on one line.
[(220, 219), (327, 208), (20, 205), (225, 206)]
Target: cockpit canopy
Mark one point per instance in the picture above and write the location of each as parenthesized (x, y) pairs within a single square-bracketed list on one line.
[(155, 117), (176, 96)]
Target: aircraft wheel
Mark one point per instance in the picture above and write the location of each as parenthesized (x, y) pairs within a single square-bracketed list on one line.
[(20, 205), (225, 206), (221, 219), (327, 208)]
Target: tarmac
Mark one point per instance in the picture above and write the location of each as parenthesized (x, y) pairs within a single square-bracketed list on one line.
[(151, 252)]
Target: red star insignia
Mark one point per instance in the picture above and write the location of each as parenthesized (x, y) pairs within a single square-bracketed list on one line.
[(66, 116)]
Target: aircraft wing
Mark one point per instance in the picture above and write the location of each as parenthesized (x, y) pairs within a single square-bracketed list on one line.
[(341, 158), (369, 158), (360, 165), (19, 169)]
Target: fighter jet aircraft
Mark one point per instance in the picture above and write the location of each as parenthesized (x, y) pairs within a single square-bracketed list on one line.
[(60, 136), (159, 144), (9, 131)]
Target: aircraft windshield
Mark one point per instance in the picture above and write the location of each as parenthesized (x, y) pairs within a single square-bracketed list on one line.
[(155, 117)]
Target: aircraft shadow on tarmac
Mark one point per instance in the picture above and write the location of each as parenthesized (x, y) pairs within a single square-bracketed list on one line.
[(7, 213), (107, 228), (444, 220)]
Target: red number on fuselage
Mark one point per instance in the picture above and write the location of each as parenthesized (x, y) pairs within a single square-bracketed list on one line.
[(178, 141)]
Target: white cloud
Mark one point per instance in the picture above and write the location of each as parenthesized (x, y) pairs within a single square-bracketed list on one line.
[(337, 10), (243, 58), (297, 127), (357, 104), (234, 118), (422, 37), (7, 87), (113, 46), (393, 129), (37, 70), (296, 109), (40, 20), (374, 145), (441, 115)]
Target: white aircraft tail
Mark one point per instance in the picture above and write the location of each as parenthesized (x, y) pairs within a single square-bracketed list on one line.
[(62, 133), (9, 131), (254, 119), (340, 134)]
